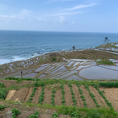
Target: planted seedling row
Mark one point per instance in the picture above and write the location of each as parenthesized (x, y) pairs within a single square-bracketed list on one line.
[(92, 95), (32, 95), (53, 97), (41, 98), (82, 96), (102, 95), (63, 94), (73, 95)]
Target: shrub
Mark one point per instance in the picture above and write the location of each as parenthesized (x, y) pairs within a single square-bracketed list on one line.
[(55, 115), (15, 113), (2, 85), (3, 93), (34, 115), (109, 84), (2, 107)]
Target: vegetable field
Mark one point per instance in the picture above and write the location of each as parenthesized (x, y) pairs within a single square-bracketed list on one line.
[(54, 94)]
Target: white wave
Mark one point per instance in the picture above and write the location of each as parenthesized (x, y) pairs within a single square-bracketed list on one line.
[(14, 58)]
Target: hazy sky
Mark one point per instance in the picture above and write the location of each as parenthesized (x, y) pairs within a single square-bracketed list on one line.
[(59, 15)]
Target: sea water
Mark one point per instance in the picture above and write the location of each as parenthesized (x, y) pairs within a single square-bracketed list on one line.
[(20, 45)]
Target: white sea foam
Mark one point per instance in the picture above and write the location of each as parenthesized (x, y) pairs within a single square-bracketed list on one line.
[(14, 58)]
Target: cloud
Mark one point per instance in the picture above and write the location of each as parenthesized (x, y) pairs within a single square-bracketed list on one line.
[(66, 13), (20, 15), (80, 7)]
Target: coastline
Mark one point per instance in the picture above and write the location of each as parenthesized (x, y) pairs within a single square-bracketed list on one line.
[(54, 57)]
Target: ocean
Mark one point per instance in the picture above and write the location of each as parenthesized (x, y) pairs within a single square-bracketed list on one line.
[(21, 45)]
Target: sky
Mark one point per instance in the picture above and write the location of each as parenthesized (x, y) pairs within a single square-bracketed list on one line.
[(59, 15)]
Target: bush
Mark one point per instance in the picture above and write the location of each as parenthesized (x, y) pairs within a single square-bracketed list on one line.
[(15, 113), (2, 85), (3, 93), (34, 115), (2, 107), (55, 115), (109, 84)]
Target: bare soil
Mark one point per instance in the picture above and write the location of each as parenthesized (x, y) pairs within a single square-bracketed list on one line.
[(77, 95), (9, 83), (58, 97), (112, 95), (10, 94), (47, 96), (68, 96), (99, 99), (89, 101), (28, 94), (37, 94), (21, 94)]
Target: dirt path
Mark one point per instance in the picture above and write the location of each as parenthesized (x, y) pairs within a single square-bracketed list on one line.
[(77, 95), (37, 94), (68, 96), (58, 97), (98, 97), (112, 96), (20, 95), (47, 96), (10, 94), (88, 98)]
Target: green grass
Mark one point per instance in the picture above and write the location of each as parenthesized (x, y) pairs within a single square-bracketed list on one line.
[(104, 62)]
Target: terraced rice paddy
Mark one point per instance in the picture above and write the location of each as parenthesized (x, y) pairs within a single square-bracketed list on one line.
[(73, 69)]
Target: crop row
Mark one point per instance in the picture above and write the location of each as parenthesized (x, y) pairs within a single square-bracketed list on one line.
[(81, 95), (63, 94), (102, 95), (32, 95), (92, 95), (53, 97), (73, 95), (41, 98)]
